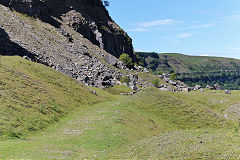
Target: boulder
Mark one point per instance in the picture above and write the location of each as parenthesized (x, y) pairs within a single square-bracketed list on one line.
[(145, 70), (159, 76), (197, 87), (163, 89), (140, 67), (133, 86), (217, 86), (228, 91), (118, 83), (125, 84), (136, 68), (133, 77), (172, 82), (111, 60), (165, 75), (166, 79), (209, 87), (161, 86), (187, 89), (132, 93), (168, 88)]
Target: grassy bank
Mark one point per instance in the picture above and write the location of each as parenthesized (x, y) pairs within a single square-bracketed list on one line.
[(32, 96)]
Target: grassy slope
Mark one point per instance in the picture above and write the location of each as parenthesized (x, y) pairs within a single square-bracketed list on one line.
[(120, 127), (33, 96)]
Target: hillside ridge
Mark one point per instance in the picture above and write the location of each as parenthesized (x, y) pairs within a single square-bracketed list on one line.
[(193, 70)]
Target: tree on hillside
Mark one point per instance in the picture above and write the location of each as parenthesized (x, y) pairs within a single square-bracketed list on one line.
[(173, 77), (126, 59)]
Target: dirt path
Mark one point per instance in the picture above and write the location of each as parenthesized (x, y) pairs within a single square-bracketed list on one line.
[(70, 138)]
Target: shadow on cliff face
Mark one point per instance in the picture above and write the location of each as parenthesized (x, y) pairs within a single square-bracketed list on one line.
[(9, 48), (48, 10)]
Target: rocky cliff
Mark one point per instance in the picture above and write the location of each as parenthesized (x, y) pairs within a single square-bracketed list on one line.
[(61, 48), (88, 17)]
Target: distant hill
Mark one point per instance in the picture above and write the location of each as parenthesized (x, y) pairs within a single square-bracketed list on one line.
[(203, 70)]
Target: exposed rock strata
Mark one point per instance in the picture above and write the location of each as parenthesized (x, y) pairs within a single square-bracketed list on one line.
[(88, 17)]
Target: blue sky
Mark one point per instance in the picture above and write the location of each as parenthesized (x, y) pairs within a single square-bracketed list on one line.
[(194, 27)]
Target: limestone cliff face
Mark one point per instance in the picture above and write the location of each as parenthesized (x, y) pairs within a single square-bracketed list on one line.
[(88, 17)]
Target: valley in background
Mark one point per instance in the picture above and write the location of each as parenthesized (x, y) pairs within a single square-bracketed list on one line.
[(194, 70)]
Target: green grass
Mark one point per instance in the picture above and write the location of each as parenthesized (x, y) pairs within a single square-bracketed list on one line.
[(117, 89), (149, 124), (192, 144)]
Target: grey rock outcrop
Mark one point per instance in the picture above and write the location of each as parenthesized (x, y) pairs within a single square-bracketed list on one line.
[(133, 82)]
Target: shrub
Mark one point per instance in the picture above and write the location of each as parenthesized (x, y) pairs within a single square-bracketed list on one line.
[(126, 59), (173, 77), (171, 71), (159, 73), (153, 64), (155, 82), (125, 79), (140, 60)]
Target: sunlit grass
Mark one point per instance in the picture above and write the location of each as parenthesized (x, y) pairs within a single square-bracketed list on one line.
[(79, 125)]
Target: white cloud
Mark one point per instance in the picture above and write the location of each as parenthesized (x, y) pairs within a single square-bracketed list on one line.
[(185, 35), (201, 26), (158, 22), (137, 29), (234, 48), (139, 50), (144, 26), (210, 13), (205, 55), (235, 16), (232, 17)]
